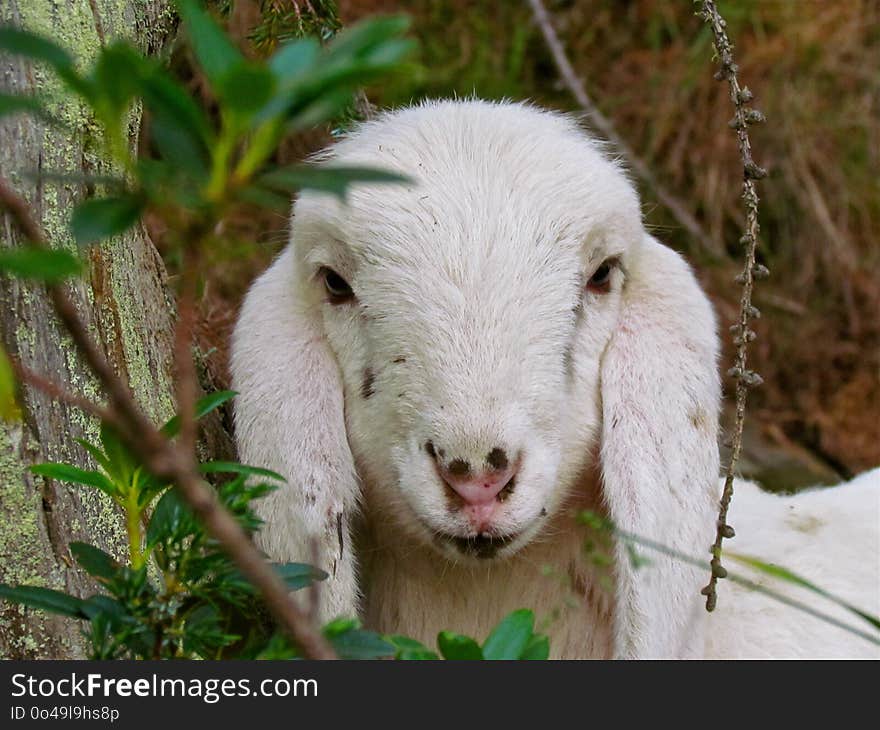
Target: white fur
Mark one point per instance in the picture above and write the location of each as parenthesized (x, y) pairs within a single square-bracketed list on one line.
[(473, 329)]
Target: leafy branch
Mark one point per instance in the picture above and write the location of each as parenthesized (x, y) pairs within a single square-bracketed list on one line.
[(202, 172)]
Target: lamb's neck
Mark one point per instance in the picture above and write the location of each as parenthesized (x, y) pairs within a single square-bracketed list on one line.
[(411, 590)]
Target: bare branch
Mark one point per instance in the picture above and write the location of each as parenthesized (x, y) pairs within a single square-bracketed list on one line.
[(745, 378), (575, 85), (59, 393)]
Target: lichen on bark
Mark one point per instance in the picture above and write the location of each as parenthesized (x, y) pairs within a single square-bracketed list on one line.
[(123, 299)]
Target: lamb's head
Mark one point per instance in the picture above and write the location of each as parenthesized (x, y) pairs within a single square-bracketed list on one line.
[(468, 312)]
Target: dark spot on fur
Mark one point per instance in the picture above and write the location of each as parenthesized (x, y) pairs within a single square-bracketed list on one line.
[(441, 453), (543, 511), (367, 384), (497, 459), (339, 534), (429, 447), (458, 468), (399, 360)]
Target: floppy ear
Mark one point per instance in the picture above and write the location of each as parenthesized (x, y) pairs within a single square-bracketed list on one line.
[(289, 417), (660, 401)]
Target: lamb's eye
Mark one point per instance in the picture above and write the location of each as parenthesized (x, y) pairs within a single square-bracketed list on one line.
[(600, 281), (338, 290)]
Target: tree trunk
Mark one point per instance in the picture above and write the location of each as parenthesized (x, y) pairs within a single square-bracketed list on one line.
[(123, 297)]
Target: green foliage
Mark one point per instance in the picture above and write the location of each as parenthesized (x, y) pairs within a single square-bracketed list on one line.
[(513, 638), (203, 167), (97, 219), (180, 596)]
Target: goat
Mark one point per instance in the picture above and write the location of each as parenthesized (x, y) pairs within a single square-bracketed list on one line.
[(447, 370)]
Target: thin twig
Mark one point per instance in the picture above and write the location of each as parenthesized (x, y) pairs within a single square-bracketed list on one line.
[(99, 25), (575, 85), (54, 390), (745, 378), (171, 461)]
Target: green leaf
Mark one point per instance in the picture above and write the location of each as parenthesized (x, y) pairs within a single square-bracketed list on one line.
[(329, 179), (35, 47), (99, 456), (246, 88), (117, 78), (458, 647), (94, 561), (388, 55), (101, 605), (299, 575), (215, 52), (233, 467), (69, 473), (178, 126), (101, 218), (171, 520), (38, 48), (509, 638), (278, 647), (121, 465), (360, 644), (410, 655), (537, 649), (45, 599), (362, 37), (293, 59), (339, 626), (329, 105), (269, 199), (409, 649), (204, 406), (16, 104), (43, 264)]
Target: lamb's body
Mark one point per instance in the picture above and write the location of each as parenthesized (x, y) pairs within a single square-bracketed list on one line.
[(827, 535), (509, 301)]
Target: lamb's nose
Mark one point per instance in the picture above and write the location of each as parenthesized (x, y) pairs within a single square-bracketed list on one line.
[(480, 484)]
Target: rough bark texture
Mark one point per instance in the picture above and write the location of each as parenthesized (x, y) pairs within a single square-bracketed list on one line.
[(123, 297)]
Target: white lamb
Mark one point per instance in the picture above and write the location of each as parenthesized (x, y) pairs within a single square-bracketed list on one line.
[(447, 370)]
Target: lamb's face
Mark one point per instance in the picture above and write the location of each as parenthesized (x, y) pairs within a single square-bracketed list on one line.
[(468, 313)]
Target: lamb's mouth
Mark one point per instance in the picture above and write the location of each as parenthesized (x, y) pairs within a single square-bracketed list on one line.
[(483, 546)]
